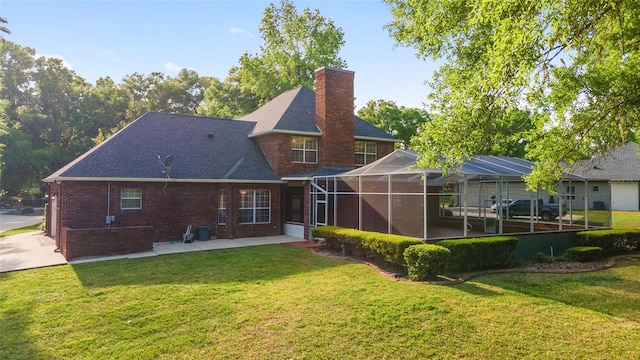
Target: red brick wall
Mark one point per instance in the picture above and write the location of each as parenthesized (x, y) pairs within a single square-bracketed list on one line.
[(334, 116), (167, 209), (78, 243), (384, 148), (277, 149)]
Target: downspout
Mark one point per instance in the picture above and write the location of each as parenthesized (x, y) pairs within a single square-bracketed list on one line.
[(109, 204)]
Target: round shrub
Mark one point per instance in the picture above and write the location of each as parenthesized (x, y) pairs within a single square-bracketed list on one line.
[(425, 261)]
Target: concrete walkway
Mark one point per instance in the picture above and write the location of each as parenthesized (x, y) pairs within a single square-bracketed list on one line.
[(34, 250)]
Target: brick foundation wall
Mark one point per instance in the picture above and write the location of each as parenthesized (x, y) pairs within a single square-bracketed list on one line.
[(79, 243)]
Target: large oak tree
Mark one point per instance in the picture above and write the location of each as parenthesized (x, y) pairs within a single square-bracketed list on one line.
[(572, 65)]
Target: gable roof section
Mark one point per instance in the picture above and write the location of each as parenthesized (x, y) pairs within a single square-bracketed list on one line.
[(294, 111), (203, 149), (621, 164)]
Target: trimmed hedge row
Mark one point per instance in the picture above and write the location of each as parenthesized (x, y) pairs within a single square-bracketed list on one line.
[(425, 261), (480, 253), (584, 253), (611, 241), (388, 247)]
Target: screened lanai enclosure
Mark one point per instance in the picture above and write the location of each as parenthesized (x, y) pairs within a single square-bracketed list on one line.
[(486, 196)]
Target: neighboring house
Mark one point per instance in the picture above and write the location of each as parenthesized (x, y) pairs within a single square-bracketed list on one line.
[(238, 178), (622, 167)]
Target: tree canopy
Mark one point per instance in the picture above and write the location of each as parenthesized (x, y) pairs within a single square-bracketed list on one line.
[(570, 66), (295, 45), (50, 115), (401, 122)]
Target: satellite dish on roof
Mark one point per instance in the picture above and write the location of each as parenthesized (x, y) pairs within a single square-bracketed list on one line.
[(168, 160)]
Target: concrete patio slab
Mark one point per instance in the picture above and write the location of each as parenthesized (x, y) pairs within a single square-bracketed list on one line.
[(33, 250), (28, 251)]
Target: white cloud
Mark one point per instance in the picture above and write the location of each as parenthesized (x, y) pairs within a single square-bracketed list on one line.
[(65, 63), (172, 67), (236, 30)]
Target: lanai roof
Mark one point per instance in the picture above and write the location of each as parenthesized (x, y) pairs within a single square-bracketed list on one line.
[(480, 167)]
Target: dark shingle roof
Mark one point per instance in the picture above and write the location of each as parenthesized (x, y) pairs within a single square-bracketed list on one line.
[(621, 164), (132, 153), (295, 111)]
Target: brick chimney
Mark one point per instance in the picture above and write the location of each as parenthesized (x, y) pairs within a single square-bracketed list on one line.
[(334, 116)]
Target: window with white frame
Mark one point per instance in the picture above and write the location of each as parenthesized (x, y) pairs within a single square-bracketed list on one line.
[(222, 207), (572, 191), (130, 199), (595, 188), (255, 207), (366, 152), (304, 150)]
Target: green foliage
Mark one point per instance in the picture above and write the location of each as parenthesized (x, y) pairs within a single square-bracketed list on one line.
[(480, 253), (49, 115), (584, 253), (295, 45), (388, 247), (425, 261), (611, 241), (401, 122), (571, 64)]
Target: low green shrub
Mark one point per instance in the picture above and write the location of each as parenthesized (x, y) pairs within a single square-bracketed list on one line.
[(584, 253), (425, 261), (543, 258), (611, 241), (386, 247), (480, 253)]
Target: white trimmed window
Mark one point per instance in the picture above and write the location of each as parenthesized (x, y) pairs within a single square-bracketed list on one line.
[(366, 152), (222, 207), (304, 150), (130, 199), (255, 207)]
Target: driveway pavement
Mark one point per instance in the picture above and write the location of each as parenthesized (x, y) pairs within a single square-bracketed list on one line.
[(10, 222)]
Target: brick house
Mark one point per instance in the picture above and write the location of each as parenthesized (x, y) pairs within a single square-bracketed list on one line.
[(240, 178)]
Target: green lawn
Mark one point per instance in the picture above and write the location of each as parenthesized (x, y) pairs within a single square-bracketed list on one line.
[(277, 302), (626, 219), (21, 230)]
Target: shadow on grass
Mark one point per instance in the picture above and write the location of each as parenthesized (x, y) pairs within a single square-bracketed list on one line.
[(251, 264), (15, 319), (614, 291)]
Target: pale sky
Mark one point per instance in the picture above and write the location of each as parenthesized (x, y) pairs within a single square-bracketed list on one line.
[(117, 38)]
